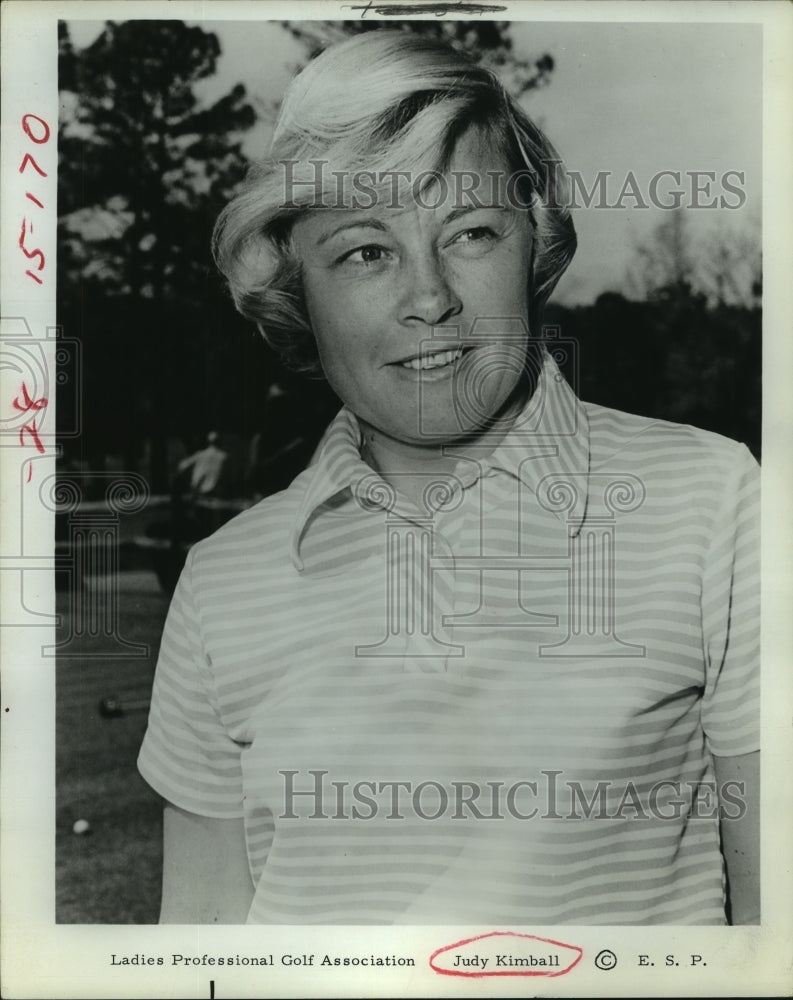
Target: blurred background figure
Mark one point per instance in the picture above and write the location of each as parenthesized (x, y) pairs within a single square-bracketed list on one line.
[(209, 477), (197, 508)]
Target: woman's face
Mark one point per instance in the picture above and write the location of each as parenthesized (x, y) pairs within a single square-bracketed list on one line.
[(420, 313)]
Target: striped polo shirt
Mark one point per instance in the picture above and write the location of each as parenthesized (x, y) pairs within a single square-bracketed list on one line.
[(496, 707)]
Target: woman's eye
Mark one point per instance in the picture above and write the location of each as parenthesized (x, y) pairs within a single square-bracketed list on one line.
[(369, 254), (476, 234)]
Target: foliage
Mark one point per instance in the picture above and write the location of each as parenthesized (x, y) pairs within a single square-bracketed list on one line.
[(141, 160), (724, 264), (691, 351), (143, 171), (674, 357)]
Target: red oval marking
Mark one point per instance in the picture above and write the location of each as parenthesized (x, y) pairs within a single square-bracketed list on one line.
[(491, 967), (29, 131)]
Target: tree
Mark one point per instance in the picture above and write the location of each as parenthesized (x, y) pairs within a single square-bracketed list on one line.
[(487, 42), (672, 356), (702, 325), (144, 168), (723, 263), (667, 257), (731, 267)]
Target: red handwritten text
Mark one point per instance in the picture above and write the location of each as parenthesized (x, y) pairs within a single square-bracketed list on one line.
[(38, 132), (25, 406)]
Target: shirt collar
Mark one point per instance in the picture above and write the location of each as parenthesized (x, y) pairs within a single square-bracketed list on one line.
[(337, 465), (547, 449)]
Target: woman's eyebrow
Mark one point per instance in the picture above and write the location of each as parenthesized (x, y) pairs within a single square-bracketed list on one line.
[(457, 213), (353, 224), (381, 227)]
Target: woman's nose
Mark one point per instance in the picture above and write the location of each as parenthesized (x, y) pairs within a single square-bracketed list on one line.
[(429, 297)]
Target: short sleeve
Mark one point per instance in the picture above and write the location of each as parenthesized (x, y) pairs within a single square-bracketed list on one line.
[(187, 755), (731, 615)]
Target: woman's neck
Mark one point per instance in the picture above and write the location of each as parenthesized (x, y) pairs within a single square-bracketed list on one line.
[(407, 466)]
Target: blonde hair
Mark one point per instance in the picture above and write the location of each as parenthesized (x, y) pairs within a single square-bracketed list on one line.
[(376, 103)]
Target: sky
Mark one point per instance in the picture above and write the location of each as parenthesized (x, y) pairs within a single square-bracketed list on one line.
[(627, 99)]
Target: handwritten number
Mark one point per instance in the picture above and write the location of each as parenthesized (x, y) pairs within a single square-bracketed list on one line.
[(33, 431), (29, 132), (30, 254), (28, 403), (27, 158), (38, 131)]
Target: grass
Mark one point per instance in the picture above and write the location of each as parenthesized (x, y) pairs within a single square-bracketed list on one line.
[(112, 874)]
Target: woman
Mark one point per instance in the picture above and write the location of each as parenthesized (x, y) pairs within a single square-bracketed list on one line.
[(492, 657)]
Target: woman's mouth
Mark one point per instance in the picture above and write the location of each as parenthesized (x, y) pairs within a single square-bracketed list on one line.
[(441, 359)]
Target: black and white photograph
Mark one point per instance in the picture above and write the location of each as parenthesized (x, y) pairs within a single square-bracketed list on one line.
[(386, 395)]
